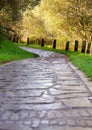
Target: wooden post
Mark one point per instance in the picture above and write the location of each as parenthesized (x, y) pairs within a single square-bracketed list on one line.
[(88, 48), (67, 46), (17, 39), (14, 37), (83, 47), (42, 43), (54, 44), (28, 41), (76, 45)]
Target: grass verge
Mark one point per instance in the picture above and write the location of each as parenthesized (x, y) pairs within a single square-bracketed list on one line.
[(10, 52)]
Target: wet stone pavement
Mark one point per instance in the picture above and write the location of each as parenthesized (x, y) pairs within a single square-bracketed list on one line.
[(43, 93)]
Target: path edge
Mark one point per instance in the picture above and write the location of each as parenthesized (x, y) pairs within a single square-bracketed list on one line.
[(83, 77)]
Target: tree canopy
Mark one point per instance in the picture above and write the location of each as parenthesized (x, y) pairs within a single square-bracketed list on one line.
[(61, 19)]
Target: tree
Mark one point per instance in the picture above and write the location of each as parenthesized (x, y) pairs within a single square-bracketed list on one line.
[(53, 15), (79, 16), (32, 26), (11, 12), (15, 8)]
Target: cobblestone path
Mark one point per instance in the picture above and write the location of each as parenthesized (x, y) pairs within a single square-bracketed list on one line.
[(44, 93)]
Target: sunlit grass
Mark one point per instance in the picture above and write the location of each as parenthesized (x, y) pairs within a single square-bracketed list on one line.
[(10, 52)]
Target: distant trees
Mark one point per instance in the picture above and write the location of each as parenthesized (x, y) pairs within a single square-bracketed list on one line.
[(53, 15), (68, 18), (32, 26)]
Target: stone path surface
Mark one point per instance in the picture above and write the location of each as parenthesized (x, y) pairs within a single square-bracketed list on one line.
[(43, 93)]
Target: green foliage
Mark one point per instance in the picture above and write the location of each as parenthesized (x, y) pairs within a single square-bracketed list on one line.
[(14, 7), (11, 12), (79, 16), (67, 19), (33, 27), (57, 19)]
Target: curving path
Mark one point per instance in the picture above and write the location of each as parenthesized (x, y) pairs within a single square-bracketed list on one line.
[(44, 93)]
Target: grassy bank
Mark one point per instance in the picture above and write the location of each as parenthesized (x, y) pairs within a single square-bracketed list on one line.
[(10, 52), (82, 61)]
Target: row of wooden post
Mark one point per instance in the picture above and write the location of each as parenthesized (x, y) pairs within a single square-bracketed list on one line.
[(43, 43), (83, 48)]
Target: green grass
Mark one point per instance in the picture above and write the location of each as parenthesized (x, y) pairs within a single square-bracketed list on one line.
[(81, 60), (10, 52)]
